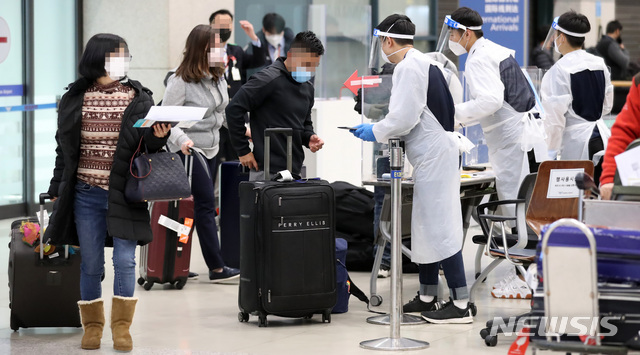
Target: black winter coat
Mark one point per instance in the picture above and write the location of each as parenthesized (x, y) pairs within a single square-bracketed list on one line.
[(124, 220)]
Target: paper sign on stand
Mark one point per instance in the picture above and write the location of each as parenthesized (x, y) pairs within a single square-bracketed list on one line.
[(182, 229), (562, 183)]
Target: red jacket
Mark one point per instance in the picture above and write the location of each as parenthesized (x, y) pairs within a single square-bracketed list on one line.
[(624, 131)]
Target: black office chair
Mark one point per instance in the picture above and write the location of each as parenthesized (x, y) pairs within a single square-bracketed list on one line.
[(520, 246)]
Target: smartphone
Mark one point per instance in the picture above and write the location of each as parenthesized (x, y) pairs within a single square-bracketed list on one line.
[(351, 129)]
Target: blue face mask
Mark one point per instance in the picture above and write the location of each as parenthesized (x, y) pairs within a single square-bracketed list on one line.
[(301, 75)]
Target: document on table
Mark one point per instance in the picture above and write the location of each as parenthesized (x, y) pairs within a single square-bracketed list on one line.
[(178, 116), (628, 164)]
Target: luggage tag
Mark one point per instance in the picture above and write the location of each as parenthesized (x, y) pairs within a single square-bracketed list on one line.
[(185, 229), (182, 229)]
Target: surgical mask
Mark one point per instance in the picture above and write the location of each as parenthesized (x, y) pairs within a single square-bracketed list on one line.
[(216, 57), (274, 40), (555, 45), (225, 34), (116, 67), (457, 48), (385, 57), (301, 75)]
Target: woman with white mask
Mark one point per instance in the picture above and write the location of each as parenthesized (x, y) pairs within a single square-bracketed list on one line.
[(576, 92), (96, 141), (199, 82)]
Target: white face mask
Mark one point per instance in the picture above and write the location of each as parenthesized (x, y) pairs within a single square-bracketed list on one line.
[(216, 57), (555, 45), (385, 57), (274, 40), (457, 48), (116, 67)]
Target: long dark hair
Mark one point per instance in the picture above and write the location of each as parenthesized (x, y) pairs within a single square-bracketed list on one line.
[(195, 63), (91, 64)]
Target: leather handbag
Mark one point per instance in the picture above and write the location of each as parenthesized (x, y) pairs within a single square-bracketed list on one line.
[(156, 177)]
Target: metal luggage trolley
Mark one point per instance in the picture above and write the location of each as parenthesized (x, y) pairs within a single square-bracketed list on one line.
[(570, 290)]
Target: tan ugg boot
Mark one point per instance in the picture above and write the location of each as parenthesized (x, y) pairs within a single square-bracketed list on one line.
[(122, 311), (92, 318)]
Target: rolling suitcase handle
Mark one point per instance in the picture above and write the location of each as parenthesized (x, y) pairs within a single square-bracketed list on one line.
[(267, 148), (43, 197)]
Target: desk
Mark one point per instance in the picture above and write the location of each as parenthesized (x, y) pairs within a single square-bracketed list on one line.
[(472, 190)]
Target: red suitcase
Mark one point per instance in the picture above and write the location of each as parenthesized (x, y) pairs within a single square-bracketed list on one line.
[(166, 258)]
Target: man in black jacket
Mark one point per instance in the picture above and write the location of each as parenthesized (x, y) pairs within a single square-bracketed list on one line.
[(278, 96), (237, 61), (275, 40), (612, 50)]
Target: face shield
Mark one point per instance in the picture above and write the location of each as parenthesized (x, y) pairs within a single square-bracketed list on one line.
[(377, 57), (554, 32), (448, 27)]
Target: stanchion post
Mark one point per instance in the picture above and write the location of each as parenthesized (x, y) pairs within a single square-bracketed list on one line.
[(395, 342)]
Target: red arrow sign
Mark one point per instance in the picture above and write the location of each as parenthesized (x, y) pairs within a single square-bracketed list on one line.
[(354, 82)]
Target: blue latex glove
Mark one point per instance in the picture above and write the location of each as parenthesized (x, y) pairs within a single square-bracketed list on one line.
[(365, 132)]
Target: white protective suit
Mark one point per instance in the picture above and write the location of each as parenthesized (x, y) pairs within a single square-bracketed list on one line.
[(568, 131), (436, 228), (503, 126)]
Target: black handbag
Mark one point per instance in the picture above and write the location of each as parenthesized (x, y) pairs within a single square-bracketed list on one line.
[(156, 177)]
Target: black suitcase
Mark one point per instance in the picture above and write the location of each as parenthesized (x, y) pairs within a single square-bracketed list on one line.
[(287, 243), (231, 174), (43, 290)]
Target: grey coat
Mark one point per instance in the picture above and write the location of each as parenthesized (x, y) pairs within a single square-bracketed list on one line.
[(205, 93)]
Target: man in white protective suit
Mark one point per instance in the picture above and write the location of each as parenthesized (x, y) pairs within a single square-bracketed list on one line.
[(500, 98), (576, 92), (421, 112)]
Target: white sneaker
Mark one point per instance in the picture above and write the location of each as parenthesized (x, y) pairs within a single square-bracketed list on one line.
[(517, 289), (507, 280), (383, 273)]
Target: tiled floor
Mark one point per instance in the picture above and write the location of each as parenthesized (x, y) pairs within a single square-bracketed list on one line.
[(202, 319)]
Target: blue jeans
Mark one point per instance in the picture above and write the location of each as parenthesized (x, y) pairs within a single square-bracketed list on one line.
[(204, 211), (453, 268), (90, 208)]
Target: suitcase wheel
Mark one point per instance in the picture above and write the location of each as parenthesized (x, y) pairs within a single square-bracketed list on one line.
[(376, 300), (326, 316), (180, 284), (474, 309), (148, 286), (243, 317), (141, 281), (491, 340), (262, 320)]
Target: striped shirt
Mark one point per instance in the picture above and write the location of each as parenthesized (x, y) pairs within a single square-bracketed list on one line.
[(102, 111)]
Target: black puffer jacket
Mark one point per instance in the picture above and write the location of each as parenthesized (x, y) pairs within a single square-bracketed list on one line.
[(124, 220)]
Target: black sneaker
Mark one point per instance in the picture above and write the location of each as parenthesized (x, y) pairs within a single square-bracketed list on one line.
[(193, 275), (227, 274), (449, 314), (416, 305)]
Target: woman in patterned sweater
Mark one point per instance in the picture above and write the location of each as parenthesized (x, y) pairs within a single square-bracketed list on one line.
[(96, 141)]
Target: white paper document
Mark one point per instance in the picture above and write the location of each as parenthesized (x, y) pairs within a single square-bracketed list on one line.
[(628, 164), (186, 116), (562, 183)]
